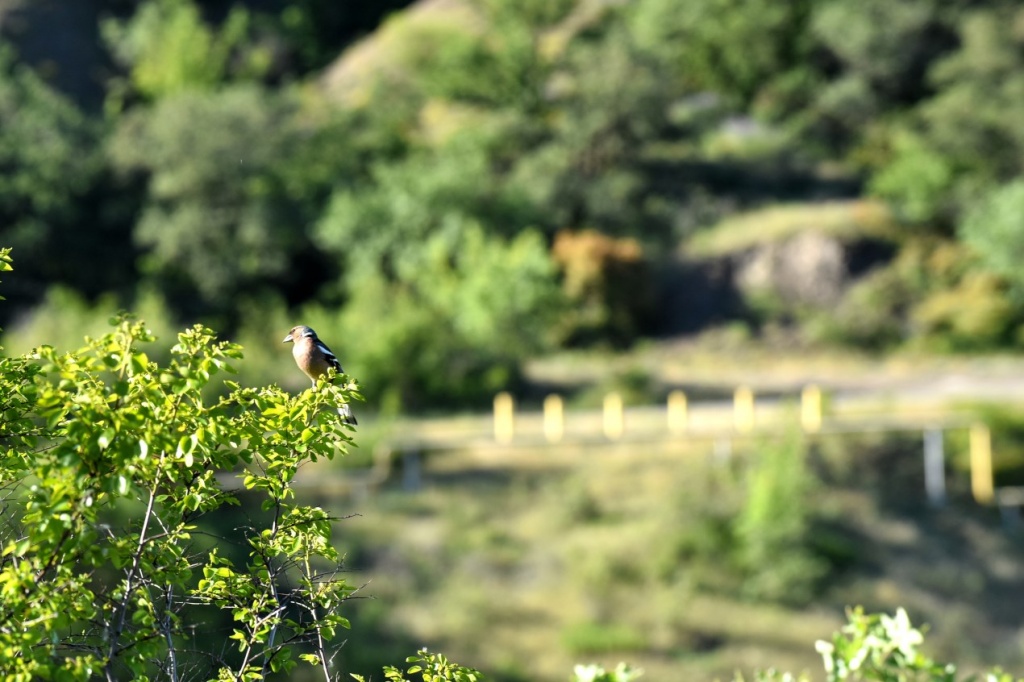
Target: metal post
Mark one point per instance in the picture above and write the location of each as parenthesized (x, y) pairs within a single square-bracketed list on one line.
[(411, 468), (613, 422), (934, 467), (554, 418), (678, 416), (810, 409), (981, 464), (504, 417), (743, 409)]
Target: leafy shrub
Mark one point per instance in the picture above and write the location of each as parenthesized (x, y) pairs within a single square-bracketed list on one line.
[(597, 673), (870, 315), (460, 318), (917, 180), (111, 466), (993, 229), (167, 48), (935, 294), (772, 529), (877, 647), (976, 314), (608, 283), (884, 648), (430, 667)]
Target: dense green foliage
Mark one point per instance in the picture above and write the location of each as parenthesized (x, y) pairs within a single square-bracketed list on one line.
[(430, 667), (149, 529), (112, 468), (416, 191), (877, 647)]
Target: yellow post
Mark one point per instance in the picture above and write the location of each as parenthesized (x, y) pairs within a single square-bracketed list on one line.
[(810, 409), (981, 464), (743, 409), (504, 417), (554, 420), (613, 425), (677, 412)]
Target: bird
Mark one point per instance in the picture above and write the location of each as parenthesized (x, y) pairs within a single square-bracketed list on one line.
[(314, 358)]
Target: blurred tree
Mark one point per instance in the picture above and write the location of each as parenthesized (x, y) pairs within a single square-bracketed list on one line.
[(966, 138), (226, 209), (873, 58), (465, 301), (504, 66), (427, 192), (52, 183), (167, 47), (456, 326), (973, 119), (576, 100), (994, 229), (916, 182), (974, 315), (517, 129), (642, 121), (735, 48), (317, 30), (587, 169)]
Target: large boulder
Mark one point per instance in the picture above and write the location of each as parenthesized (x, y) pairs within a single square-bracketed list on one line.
[(808, 268)]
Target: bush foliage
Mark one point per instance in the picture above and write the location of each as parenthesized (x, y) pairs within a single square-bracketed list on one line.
[(111, 469)]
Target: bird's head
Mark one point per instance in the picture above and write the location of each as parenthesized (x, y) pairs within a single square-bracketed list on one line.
[(299, 332)]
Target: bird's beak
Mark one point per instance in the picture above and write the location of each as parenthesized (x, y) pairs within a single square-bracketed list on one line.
[(287, 339)]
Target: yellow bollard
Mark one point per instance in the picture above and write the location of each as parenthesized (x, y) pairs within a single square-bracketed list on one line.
[(504, 417), (810, 409), (981, 464), (743, 409), (613, 425), (554, 420), (678, 417)]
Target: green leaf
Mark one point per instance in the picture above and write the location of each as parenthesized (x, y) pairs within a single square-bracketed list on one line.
[(105, 438), (140, 362)]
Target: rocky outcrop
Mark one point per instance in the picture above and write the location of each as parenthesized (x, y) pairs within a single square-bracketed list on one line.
[(809, 268)]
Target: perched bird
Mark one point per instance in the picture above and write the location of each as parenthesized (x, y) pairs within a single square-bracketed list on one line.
[(314, 358)]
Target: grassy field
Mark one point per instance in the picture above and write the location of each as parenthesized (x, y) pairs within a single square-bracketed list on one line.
[(525, 563)]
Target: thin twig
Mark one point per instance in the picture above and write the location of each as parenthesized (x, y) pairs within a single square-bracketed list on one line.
[(129, 588)]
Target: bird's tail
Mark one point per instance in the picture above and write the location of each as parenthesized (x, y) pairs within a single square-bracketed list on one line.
[(346, 415)]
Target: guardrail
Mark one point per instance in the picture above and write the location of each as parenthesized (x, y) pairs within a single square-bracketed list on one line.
[(679, 419)]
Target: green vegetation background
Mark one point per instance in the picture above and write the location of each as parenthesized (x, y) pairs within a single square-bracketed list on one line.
[(448, 190)]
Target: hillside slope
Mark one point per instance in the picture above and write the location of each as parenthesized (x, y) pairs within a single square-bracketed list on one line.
[(522, 568)]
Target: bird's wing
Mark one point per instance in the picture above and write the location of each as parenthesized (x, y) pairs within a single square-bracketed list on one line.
[(331, 358)]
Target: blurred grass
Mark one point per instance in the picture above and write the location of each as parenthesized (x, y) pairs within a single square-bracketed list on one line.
[(522, 565)]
